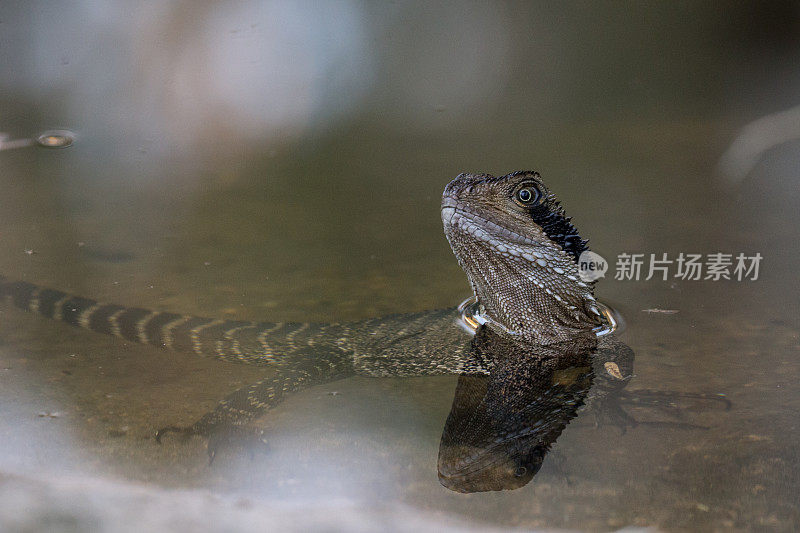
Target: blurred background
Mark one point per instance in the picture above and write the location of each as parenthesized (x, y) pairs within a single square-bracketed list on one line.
[(357, 114), (285, 160)]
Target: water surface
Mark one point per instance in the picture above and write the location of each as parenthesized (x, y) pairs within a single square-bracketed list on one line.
[(183, 193)]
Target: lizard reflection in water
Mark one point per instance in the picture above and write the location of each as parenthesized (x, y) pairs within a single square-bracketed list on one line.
[(519, 251), (502, 425)]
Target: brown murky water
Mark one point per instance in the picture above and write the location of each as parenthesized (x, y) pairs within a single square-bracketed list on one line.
[(190, 194)]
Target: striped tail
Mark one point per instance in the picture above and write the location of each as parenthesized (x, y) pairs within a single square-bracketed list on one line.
[(231, 340)]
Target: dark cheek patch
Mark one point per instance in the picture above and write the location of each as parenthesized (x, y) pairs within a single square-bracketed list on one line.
[(550, 217)]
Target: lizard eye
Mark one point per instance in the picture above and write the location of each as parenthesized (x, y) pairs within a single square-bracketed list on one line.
[(527, 195)]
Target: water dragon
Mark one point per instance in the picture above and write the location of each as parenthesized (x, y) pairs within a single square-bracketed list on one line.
[(520, 253)]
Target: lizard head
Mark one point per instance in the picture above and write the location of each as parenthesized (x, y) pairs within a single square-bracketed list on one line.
[(520, 252)]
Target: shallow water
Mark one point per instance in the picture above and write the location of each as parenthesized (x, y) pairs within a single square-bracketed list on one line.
[(182, 193)]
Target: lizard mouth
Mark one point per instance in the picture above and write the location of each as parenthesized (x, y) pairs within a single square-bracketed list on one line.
[(456, 218)]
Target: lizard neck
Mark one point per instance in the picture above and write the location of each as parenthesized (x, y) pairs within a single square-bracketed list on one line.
[(541, 305)]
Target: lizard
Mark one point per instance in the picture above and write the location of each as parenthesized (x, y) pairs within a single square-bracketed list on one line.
[(509, 234)]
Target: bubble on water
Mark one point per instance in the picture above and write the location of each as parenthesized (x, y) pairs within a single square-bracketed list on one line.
[(55, 139)]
